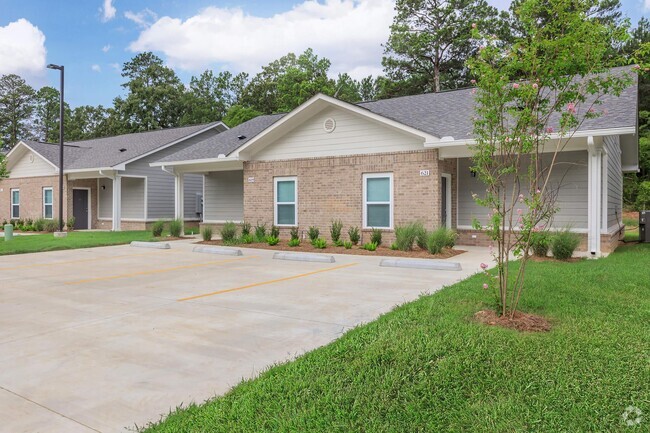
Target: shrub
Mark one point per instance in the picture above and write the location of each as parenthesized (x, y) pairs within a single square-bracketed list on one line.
[(206, 233), (313, 233), (643, 196), (437, 240), (176, 228), (229, 231), (335, 230), (51, 225), (294, 242), (245, 229), (540, 243), (39, 224), (260, 232), (275, 232), (451, 238), (157, 228), (247, 239), (354, 234), (564, 243), (370, 246), (338, 243), (347, 245), (272, 240), (294, 233), (70, 222), (375, 237), (405, 236), (394, 247), (319, 243)]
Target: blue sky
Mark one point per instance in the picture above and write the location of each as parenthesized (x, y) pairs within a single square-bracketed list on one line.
[(93, 38)]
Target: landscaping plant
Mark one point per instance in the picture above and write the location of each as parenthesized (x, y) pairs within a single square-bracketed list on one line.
[(245, 229), (370, 246), (51, 225), (437, 240), (319, 243), (70, 223), (274, 232), (335, 230), (347, 245), (375, 236), (157, 228), (540, 87), (272, 240), (247, 239), (206, 233), (338, 243), (540, 241), (564, 244), (176, 228), (294, 242), (354, 234), (229, 231), (313, 233), (294, 233), (260, 232), (39, 224), (406, 236)]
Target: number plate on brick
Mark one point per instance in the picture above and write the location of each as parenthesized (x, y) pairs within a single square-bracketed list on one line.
[(424, 172)]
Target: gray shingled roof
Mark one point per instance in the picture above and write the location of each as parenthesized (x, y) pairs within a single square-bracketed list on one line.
[(226, 142), (105, 152)]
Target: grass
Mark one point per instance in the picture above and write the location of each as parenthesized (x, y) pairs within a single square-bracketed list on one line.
[(428, 367), (47, 242)]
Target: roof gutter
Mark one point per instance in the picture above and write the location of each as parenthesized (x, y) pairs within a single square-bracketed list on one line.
[(194, 161)]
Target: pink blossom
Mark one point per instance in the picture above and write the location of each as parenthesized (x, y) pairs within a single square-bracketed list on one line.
[(538, 191), (519, 211), (484, 266), (485, 286), (605, 111), (592, 111), (473, 81), (473, 25), (515, 86), (521, 198), (549, 129), (637, 67), (520, 220), (535, 86), (571, 108), (473, 92)]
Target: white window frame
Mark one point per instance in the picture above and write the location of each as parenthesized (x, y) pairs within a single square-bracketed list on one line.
[(367, 176), (11, 200), (276, 203), (48, 188)]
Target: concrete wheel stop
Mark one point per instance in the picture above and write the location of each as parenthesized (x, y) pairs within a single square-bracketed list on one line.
[(304, 257), (218, 250), (156, 245), (431, 264)]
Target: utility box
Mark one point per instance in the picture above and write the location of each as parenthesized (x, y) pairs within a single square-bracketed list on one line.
[(644, 226), (9, 232)]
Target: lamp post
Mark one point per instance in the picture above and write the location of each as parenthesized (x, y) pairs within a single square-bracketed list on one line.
[(61, 122)]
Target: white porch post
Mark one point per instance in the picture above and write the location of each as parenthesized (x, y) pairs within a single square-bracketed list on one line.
[(179, 196), (117, 203), (594, 202)]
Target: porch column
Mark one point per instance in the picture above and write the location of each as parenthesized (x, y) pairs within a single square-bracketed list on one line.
[(117, 203), (594, 202), (179, 196)]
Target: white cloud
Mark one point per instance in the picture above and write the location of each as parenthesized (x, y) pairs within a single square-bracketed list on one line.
[(116, 67), (145, 18), (348, 32), (105, 48), (108, 10), (96, 68), (646, 5), (22, 50)]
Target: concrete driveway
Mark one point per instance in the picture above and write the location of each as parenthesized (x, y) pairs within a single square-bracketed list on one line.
[(103, 339)]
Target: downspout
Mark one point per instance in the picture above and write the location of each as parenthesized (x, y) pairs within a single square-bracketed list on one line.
[(164, 168)]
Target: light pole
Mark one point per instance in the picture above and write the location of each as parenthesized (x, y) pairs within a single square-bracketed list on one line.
[(61, 122)]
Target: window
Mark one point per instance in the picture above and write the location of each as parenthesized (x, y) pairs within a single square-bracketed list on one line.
[(286, 202), (15, 203), (47, 203), (378, 200)]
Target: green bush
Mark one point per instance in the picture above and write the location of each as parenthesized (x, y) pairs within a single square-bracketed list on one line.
[(70, 222), (370, 246), (247, 239), (176, 228), (338, 243), (335, 230), (564, 243), (294, 233), (39, 224), (540, 242), (206, 233), (51, 225), (394, 247), (437, 240), (319, 243), (260, 232), (347, 245), (229, 231), (245, 228), (643, 196), (275, 232), (451, 238), (157, 228), (375, 237), (272, 240), (294, 242), (354, 234), (405, 236), (313, 233)]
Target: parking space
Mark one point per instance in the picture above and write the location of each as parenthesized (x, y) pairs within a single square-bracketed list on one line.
[(104, 338)]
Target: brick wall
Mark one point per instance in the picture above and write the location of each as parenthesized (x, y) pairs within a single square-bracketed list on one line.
[(331, 188), (31, 196)]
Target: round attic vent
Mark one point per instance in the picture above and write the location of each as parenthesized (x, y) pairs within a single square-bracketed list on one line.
[(329, 125)]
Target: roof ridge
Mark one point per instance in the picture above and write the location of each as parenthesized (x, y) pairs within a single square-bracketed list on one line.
[(146, 132)]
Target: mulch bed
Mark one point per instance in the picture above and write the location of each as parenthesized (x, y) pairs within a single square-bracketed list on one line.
[(523, 322), (306, 247), (553, 259)]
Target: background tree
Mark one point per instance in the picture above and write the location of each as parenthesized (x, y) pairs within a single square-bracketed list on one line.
[(238, 114), (210, 96), (430, 41), (86, 122), (16, 108), (46, 115)]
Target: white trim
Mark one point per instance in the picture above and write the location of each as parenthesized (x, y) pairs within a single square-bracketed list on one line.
[(45, 188), (448, 204), (22, 143), (203, 199), (90, 204), (194, 161), (573, 230), (604, 213), (226, 221), (595, 184), (12, 204), (457, 191), (293, 179), (390, 203)]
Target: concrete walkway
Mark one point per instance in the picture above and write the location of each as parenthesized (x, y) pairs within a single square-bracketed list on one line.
[(101, 339)]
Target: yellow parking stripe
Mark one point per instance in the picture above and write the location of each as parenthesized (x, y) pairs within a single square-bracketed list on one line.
[(157, 271), (69, 262), (248, 286)]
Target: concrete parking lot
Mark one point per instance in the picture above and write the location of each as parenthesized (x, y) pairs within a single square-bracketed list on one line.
[(105, 339)]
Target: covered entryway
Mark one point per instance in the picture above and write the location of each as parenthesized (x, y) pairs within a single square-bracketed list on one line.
[(81, 208)]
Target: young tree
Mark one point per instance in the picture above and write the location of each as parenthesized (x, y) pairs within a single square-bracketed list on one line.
[(430, 41), (531, 98), (16, 108)]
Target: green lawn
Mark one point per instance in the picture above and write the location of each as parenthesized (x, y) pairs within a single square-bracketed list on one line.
[(47, 242), (428, 367)]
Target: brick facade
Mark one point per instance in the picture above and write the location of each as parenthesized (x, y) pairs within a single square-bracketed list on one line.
[(31, 196), (331, 188)]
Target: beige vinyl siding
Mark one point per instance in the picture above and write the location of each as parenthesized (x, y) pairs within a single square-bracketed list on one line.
[(353, 135), (224, 196), (569, 175), (133, 198), (614, 181), (31, 167), (104, 198)]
